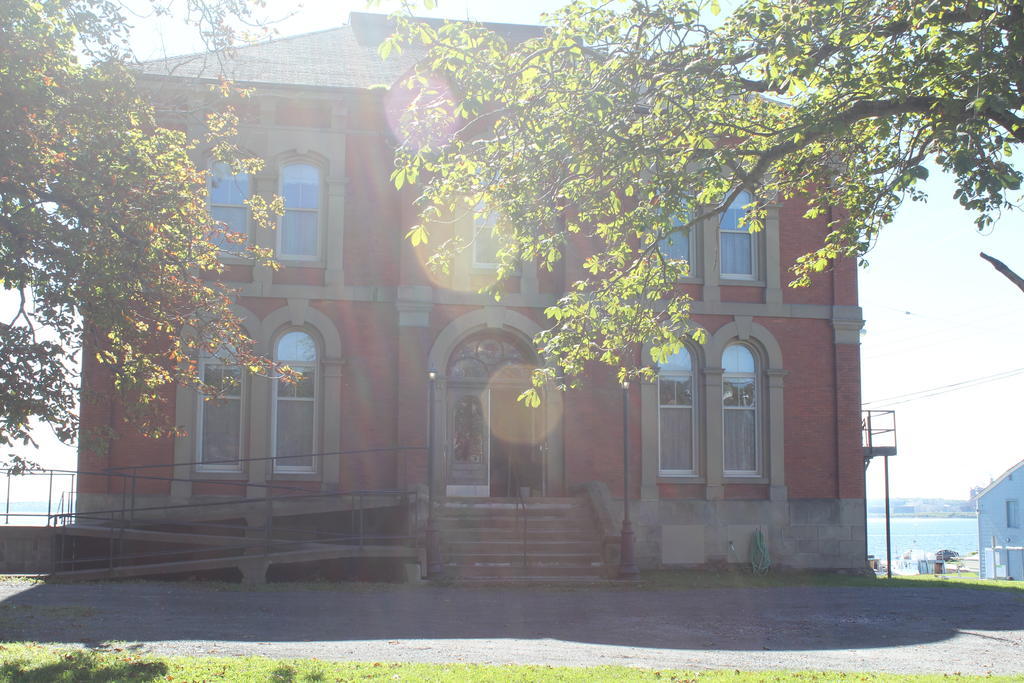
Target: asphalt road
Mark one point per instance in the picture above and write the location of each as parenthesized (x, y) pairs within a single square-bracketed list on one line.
[(902, 630)]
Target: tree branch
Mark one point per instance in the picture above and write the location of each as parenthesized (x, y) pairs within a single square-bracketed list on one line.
[(1005, 270)]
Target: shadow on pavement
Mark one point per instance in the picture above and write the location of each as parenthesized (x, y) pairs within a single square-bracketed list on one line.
[(783, 618)]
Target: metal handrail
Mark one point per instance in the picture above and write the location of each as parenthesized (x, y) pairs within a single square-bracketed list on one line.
[(129, 475), (238, 537), (269, 542), (234, 501), (273, 457), (521, 502)]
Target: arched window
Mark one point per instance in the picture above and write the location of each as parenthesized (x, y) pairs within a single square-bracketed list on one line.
[(736, 243), (740, 406), (300, 226), (295, 409), (219, 418), (482, 356), (228, 194), (677, 435)]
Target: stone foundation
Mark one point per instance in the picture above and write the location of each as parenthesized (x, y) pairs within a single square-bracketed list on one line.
[(800, 534), (26, 549)]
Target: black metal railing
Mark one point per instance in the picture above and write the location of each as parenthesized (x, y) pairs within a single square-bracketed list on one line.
[(257, 532), (265, 538), (878, 429)]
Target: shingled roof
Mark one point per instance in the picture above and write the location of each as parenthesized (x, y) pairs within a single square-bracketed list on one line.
[(342, 57)]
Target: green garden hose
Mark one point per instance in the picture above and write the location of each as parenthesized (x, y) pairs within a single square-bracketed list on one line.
[(760, 561)]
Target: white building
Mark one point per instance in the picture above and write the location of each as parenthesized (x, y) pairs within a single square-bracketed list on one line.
[(1000, 536)]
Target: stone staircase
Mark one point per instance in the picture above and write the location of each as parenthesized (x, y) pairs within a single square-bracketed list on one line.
[(508, 539)]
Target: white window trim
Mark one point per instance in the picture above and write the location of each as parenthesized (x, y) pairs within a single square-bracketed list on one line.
[(200, 466), (754, 275), (758, 470), (279, 467), (303, 258), (233, 251), (692, 472), (478, 226)]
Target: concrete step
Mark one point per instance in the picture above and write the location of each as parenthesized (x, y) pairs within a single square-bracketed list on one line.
[(516, 545), (500, 572), (506, 534), (483, 540), (510, 503), (515, 524), (516, 559)]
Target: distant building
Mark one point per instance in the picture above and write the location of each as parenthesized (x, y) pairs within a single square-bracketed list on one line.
[(1000, 537)]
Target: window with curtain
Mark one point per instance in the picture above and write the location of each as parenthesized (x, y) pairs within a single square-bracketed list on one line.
[(740, 407), (677, 244), (228, 192), (676, 432), (300, 225), (219, 422), (1012, 514), (736, 243), (295, 431)]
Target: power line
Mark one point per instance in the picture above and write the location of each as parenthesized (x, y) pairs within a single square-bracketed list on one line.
[(946, 388)]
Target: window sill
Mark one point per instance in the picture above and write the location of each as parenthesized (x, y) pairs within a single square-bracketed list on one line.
[(218, 474), (740, 282), (679, 479), (744, 479), (278, 475), (234, 258)]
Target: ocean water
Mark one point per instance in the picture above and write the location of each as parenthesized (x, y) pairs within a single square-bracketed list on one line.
[(923, 533)]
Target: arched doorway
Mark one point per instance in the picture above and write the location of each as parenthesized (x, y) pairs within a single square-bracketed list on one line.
[(495, 444)]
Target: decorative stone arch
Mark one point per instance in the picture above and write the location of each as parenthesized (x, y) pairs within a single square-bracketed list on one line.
[(298, 314), (252, 326), (522, 329), (763, 343), (744, 329), (300, 155), (490, 317), (186, 407), (650, 439)]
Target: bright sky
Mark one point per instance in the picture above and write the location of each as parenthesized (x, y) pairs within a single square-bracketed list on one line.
[(938, 317)]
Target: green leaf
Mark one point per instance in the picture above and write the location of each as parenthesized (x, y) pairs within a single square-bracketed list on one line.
[(417, 235), (919, 172)]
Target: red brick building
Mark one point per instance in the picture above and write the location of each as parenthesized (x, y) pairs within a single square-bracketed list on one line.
[(756, 429)]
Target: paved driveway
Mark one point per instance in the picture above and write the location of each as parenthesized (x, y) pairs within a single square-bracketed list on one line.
[(873, 629)]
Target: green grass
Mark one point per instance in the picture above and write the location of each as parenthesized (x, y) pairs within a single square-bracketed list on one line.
[(960, 582), (664, 579), (34, 662), (738, 578)]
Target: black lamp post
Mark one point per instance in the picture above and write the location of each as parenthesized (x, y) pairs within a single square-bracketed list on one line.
[(627, 553), (434, 566)]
